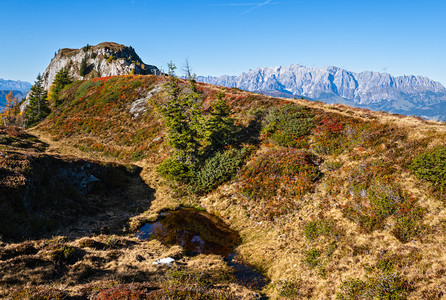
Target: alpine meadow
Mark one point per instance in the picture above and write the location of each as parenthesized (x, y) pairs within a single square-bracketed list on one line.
[(121, 179)]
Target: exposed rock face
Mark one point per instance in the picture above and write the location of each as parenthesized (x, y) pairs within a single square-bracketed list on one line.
[(105, 59), (380, 91)]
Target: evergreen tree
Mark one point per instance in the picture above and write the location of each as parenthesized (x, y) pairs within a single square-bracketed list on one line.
[(62, 79), (37, 108), (83, 67), (171, 66), (220, 127), (182, 117)]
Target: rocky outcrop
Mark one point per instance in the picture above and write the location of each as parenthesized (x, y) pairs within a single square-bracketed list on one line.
[(105, 59), (408, 95)]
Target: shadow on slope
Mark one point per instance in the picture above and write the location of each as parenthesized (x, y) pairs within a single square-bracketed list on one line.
[(43, 195)]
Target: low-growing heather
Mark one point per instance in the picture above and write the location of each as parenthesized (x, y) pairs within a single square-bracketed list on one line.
[(289, 125), (274, 178), (333, 134), (180, 284), (376, 196), (409, 220), (322, 227), (280, 172), (431, 166), (381, 286), (312, 257), (37, 293), (289, 289), (328, 136), (97, 112), (133, 291)]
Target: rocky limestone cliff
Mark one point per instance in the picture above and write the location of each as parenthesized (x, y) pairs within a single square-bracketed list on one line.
[(408, 95), (105, 59)]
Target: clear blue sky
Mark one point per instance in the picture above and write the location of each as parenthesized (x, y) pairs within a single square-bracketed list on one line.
[(229, 37)]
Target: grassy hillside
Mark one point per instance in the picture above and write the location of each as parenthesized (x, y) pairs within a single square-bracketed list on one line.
[(330, 201), (64, 221)]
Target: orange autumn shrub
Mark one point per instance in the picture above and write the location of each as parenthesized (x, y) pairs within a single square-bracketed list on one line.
[(278, 175)]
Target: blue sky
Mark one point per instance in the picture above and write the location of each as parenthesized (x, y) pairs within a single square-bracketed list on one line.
[(229, 37)]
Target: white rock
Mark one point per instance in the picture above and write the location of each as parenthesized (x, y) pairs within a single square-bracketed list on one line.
[(164, 261), (139, 106)]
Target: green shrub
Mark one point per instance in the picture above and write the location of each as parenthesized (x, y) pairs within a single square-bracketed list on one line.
[(84, 88), (354, 289), (312, 257), (409, 220), (64, 253), (173, 169), (382, 286), (431, 166), (289, 289), (332, 165), (377, 197), (321, 227), (218, 169), (373, 204), (289, 125), (386, 265)]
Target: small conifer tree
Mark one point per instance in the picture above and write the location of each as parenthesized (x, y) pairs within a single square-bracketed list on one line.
[(171, 66), (62, 79), (182, 117), (220, 128), (37, 108), (83, 67)]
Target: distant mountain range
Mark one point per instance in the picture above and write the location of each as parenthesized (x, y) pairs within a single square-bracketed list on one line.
[(19, 90), (408, 95), (12, 85)]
